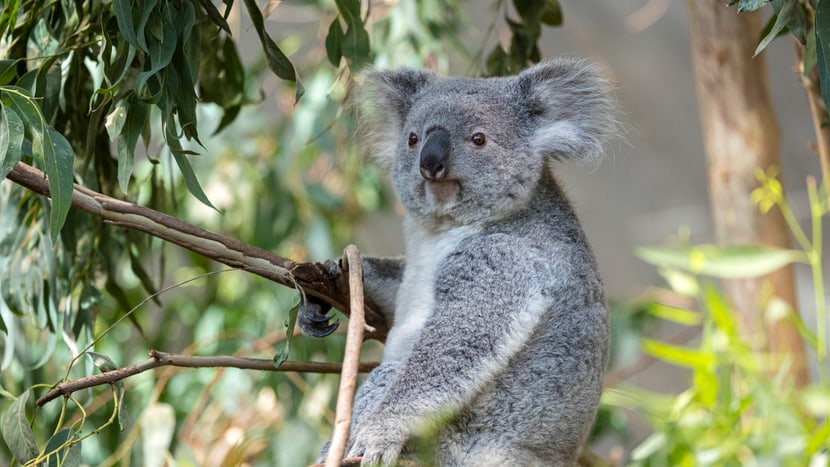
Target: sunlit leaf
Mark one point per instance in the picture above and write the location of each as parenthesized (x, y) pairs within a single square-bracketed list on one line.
[(816, 399), (731, 262), (16, 431), (675, 314), (680, 356)]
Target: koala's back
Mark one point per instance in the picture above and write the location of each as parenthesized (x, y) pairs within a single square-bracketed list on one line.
[(540, 409)]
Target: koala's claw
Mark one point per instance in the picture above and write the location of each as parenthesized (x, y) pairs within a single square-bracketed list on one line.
[(313, 320)]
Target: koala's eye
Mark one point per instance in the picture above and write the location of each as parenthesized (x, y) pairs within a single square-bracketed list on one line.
[(413, 139), (478, 139)]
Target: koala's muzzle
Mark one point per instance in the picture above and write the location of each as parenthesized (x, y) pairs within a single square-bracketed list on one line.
[(435, 155)]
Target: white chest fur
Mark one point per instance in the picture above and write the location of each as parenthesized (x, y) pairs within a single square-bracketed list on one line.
[(416, 294)]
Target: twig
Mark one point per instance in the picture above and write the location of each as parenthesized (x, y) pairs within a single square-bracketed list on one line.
[(310, 277), (159, 359), (818, 113), (351, 360)]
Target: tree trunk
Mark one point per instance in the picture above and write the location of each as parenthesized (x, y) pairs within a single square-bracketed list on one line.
[(740, 134)]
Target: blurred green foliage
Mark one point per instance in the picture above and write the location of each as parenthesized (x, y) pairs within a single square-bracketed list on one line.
[(740, 408)]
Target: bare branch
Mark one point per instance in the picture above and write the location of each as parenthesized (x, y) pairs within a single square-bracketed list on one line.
[(159, 359), (310, 277), (351, 360)]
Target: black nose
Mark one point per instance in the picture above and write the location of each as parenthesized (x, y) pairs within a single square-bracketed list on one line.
[(435, 154)]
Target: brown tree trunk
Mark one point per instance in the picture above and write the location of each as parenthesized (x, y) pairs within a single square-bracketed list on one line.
[(740, 134)]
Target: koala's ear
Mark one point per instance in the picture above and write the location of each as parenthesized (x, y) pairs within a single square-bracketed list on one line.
[(570, 108), (384, 102)]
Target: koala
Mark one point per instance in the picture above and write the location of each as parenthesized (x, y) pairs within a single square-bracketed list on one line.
[(499, 327)]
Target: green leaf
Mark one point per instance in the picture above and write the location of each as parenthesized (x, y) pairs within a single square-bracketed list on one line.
[(552, 14), (274, 57), (58, 159), (102, 362), (720, 311), (822, 27), (11, 140), (750, 5), (147, 8), (282, 354), (731, 262), (497, 62), (215, 16), (65, 448), (791, 16), (334, 42), (355, 46), (16, 431), (8, 70), (189, 176), (123, 14), (675, 314), (681, 356), (161, 51)]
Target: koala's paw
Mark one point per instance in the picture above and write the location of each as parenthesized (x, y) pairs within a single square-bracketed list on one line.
[(314, 319), (378, 443)]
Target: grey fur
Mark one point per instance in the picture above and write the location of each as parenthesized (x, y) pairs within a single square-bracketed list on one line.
[(500, 331)]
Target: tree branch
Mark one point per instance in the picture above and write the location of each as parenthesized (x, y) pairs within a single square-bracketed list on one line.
[(351, 360), (310, 277), (159, 359)]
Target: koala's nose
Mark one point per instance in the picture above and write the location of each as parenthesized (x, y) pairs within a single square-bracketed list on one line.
[(435, 155)]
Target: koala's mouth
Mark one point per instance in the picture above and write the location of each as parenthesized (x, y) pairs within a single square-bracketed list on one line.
[(442, 191)]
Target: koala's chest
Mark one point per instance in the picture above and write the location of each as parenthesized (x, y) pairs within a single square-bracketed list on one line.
[(416, 295)]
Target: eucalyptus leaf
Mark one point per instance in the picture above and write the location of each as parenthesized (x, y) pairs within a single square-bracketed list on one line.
[(8, 70), (681, 356), (789, 15), (58, 158), (214, 15), (11, 140), (274, 57), (750, 5), (334, 42), (123, 14), (102, 362), (18, 435), (727, 262), (189, 176), (65, 449), (282, 354), (822, 28)]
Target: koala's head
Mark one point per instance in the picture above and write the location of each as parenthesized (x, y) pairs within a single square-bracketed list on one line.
[(464, 151)]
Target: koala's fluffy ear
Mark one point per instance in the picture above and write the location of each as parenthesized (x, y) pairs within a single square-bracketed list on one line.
[(384, 102), (570, 108)]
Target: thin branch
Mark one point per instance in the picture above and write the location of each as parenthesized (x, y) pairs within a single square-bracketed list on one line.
[(818, 113), (351, 360), (159, 359), (310, 277)]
